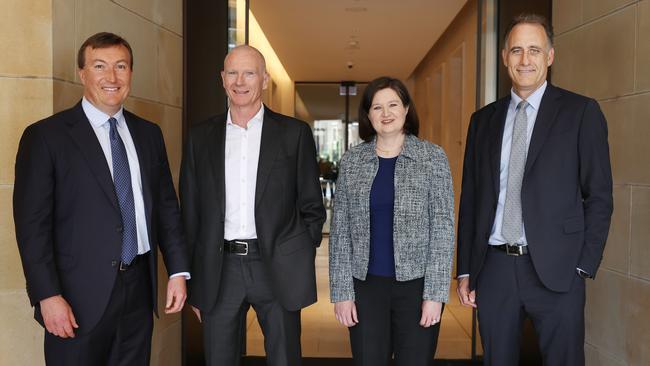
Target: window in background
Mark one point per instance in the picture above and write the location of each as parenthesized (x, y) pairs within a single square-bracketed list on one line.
[(237, 23)]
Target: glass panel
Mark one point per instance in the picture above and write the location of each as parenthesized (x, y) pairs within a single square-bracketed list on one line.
[(353, 126), (236, 23), (324, 108)]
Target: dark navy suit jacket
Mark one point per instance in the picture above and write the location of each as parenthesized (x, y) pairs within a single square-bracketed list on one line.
[(566, 191), (68, 221)]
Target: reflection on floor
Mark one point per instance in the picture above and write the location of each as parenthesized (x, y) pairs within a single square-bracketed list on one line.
[(323, 336)]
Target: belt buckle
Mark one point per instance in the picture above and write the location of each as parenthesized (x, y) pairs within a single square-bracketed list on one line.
[(514, 250), (245, 246), (123, 266)]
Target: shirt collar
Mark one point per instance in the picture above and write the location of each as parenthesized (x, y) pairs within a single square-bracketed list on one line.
[(256, 120), (534, 100), (96, 117)]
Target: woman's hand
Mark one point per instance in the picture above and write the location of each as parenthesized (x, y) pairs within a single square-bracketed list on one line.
[(430, 313), (346, 313)]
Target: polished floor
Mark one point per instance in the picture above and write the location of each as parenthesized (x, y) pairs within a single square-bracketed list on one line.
[(324, 337)]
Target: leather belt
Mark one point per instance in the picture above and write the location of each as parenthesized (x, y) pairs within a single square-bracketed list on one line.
[(514, 250), (240, 247), (138, 258)]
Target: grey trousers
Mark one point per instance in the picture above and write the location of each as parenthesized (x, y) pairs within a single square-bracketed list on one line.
[(245, 282)]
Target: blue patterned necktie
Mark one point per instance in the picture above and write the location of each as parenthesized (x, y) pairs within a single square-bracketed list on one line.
[(124, 191)]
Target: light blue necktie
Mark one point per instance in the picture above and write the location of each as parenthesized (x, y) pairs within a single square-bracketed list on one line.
[(124, 191), (512, 228)]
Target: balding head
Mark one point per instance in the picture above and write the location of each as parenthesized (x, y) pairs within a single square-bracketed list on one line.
[(244, 78), (246, 49)]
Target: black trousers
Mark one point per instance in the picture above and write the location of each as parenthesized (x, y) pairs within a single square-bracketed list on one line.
[(508, 289), (123, 335), (389, 315), (245, 282)]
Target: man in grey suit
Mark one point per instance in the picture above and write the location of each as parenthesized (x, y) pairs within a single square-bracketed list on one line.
[(253, 212)]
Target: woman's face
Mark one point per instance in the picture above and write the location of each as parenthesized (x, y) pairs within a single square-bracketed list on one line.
[(387, 113)]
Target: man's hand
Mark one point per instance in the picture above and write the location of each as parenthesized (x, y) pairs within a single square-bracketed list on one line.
[(58, 317), (346, 313), (176, 294), (430, 313), (197, 312), (467, 297)]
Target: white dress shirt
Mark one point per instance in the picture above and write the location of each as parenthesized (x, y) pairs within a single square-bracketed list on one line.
[(242, 157), (99, 122), (534, 100), (101, 127)]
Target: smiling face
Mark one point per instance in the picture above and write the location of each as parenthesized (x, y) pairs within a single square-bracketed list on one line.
[(387, 113), (244, 77), (527, 56), (106, 76)]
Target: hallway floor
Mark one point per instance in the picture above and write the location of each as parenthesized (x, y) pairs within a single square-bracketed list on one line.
[(324, 337)]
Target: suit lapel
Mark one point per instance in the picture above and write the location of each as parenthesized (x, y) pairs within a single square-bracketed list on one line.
[(546, 118), (271, 133), (144, 160), (84, 137), (496, 126), (216, 137)]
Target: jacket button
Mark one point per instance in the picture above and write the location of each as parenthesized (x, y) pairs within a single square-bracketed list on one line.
[(119, 229), (113, 263), (220, 249)]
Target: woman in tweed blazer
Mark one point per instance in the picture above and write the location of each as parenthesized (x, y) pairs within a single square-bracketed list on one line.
[(391, 240)]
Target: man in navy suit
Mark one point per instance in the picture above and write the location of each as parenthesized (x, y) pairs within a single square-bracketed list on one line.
[(535, 207), (93, 203)]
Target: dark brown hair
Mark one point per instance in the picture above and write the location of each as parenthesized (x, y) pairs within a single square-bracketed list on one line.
[(529, 18), (411, 125), (102, 40)]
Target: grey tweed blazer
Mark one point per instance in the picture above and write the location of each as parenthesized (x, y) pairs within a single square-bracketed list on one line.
[(423, 223)]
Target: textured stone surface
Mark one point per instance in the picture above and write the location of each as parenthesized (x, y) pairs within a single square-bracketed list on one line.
[(24, 101), (26, 42)]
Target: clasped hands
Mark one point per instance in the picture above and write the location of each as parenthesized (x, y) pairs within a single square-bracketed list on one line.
[(346, 313)]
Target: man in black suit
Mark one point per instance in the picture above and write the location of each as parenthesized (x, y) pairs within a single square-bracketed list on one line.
[(535, 207), (93, 202), (253, 212)]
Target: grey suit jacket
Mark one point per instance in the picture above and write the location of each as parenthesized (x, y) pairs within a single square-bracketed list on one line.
[(423, 223)]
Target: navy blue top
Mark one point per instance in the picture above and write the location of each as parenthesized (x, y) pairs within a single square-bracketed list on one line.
[(382, 202)]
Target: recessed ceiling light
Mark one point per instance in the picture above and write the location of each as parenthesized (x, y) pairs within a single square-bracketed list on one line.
[(356, 9), (352, 45)]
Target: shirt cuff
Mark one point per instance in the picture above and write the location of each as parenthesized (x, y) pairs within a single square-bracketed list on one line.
[(582, 273), (463, 275), (179, 274)]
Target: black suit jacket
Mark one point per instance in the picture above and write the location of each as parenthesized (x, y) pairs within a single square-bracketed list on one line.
[(566, 191), (289, 212), (68, 221)]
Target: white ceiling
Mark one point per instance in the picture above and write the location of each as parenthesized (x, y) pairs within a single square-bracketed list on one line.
[(313, 38)]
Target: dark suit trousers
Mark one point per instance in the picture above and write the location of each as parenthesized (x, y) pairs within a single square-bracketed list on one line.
[(508, 289), (244, 282), (123, 335), (389, 314)]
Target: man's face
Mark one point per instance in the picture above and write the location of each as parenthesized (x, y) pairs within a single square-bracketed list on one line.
[(527, 57), (244, 78), (106, 77)]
